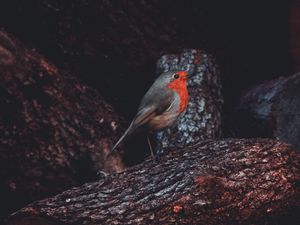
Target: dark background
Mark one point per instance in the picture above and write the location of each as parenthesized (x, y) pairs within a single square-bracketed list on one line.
[(113, 45)]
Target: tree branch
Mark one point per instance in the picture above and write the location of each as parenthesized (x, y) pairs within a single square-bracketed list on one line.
[(231, 181), (55, 131)]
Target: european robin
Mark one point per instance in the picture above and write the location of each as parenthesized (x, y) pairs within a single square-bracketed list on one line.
[(163, 103)]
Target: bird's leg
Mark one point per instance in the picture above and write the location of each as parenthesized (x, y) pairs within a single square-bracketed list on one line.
[(151, 150)]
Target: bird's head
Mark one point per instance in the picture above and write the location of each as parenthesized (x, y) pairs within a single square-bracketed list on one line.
[(177, 77), (178, 83)]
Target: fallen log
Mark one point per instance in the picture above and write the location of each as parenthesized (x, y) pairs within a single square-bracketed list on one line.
[(55, 131), (231, 181), (271, 110)]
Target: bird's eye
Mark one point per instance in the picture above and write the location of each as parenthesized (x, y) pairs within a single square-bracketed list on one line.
[(176, 76)]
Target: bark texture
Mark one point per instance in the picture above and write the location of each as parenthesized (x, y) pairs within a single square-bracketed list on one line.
[(202, 118), (272, 110), (233, 181), (55, 131)]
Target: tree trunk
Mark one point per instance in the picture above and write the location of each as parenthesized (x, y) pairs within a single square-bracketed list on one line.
[(203, 116), (55, 131), (271, 110), (231, 181)]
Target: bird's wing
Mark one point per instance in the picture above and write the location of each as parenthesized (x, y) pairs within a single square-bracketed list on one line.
[(151, 106), (143, 115), (166, 103), (146, 110)]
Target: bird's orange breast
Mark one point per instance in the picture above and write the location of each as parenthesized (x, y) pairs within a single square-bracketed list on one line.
[(180, 86)]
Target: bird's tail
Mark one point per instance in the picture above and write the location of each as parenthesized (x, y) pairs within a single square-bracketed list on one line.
[(129, 130)]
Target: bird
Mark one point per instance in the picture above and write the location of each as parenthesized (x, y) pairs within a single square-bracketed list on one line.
[(160, 107)]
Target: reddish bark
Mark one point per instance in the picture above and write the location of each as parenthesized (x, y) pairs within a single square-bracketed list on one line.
[(55, 131), (214, 182)]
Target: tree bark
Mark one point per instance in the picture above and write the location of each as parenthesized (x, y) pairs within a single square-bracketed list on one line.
[(231, 181), (55, 131), (271, 110)]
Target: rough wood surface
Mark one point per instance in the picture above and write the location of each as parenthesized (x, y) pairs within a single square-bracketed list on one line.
[(271, 109), (231, 181), (202, 119), (54, 129)]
